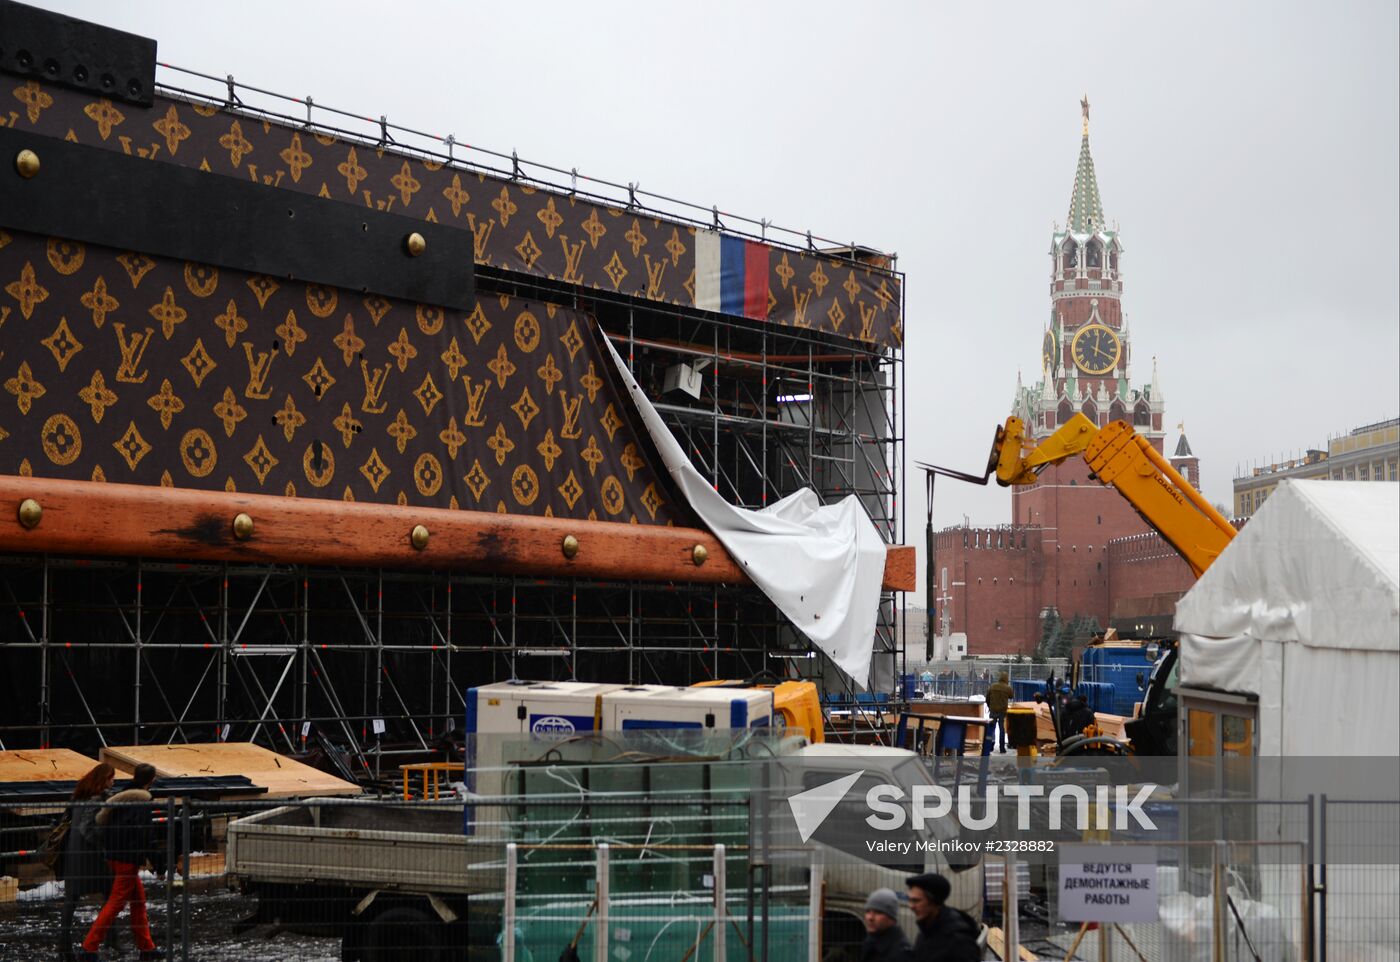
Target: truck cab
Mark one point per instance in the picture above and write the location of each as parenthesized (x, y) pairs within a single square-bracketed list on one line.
[(849, 880)]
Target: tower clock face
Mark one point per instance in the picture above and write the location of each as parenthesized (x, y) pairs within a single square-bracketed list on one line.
[(1096, 349), (1047, 351)]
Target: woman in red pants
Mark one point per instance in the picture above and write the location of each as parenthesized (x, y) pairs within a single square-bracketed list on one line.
[(84, 870), (129, 842)]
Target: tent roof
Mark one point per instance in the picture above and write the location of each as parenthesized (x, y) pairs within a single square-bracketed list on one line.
[(1318, 564)]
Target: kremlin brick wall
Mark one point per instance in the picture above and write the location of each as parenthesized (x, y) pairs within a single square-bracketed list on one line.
[(1145, 566), (994, 578)]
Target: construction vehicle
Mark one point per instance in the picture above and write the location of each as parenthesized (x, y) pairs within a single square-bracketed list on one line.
[(1125, 461)]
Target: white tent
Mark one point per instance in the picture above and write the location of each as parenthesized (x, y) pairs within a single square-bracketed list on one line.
[(1302, 610)]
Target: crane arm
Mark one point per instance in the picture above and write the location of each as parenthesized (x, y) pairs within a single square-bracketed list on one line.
[(1124, 460)]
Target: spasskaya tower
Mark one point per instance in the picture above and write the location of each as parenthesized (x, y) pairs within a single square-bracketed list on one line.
[(1001, 583)]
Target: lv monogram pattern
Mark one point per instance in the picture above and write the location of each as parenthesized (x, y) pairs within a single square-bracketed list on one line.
[(115, 366), (514, 227)]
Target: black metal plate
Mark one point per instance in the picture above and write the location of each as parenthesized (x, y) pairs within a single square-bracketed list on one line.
[(177, 786), (99, 196), (75, 53)]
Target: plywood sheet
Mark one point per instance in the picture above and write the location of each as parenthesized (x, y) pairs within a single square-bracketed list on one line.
[(996, 941), (282, 776), (1111, 725), (205, 864), (934, 706), (44, 765)]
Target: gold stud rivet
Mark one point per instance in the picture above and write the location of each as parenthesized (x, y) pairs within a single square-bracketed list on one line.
[(570, 546), (698, 554), (415, 244), (27, 163), (418, 537), (30, 513), (242, 526)]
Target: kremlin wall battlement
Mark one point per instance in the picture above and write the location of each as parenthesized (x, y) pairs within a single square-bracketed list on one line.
[(1002, 571), (1002, 537)]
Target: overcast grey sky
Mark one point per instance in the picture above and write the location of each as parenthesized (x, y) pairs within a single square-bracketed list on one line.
[(1250, 153)]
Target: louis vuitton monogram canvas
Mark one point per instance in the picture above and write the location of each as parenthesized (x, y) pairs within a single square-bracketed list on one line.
[(515, 227), (116, 366)]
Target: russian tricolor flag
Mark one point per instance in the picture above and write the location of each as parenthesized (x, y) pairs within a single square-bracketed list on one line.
[(731, 275)]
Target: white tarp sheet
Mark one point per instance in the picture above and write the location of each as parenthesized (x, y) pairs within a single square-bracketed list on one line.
[(1303, 610), (822, 565)]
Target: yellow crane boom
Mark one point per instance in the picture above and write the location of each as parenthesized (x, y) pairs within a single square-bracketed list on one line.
[(1124, 460)]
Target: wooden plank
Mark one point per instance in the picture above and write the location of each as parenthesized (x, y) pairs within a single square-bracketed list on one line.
[(996, 941), (44, 765), (205, 864), (934, 706), (99, 518), (1111, 725), (283, 777)]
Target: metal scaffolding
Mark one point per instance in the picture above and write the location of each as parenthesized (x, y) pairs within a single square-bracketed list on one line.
[(104, 651), (778, 409)]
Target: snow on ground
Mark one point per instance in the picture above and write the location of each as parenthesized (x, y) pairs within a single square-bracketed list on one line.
[(49, 890), (29, 929)]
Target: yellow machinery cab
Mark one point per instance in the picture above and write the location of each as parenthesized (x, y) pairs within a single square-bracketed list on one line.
[(796, 702)]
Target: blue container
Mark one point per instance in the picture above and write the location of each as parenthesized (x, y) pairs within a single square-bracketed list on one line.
[(908, 684), (1024, 689), (1119, 666), (1099, 696)]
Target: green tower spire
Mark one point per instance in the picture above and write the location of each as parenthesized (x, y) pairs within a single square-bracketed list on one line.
[(1085, 209)]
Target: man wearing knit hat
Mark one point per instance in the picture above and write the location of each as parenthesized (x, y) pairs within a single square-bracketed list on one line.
[(884, 941), (945, 934)]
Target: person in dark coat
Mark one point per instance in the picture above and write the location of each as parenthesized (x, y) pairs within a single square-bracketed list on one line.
[(1077, 718), (884, 940), (129, 842), (998, 700), (83, 869), (945, 934)]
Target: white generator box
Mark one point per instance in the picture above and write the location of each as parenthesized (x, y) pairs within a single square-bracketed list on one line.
[(548, 709), (555, 709), (499, 714), (508, 712), (682, 377), (658, 706)]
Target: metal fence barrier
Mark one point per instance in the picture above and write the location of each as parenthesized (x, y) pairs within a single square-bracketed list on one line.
[(964, 678), (1247, 906), (1357, 899), (661, 879), (517, 879)]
